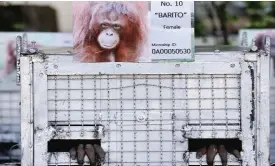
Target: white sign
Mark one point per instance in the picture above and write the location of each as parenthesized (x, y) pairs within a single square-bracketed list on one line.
[(133, 32), (171, 31)]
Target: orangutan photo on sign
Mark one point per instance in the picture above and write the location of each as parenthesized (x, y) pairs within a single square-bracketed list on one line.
[(110, 31)]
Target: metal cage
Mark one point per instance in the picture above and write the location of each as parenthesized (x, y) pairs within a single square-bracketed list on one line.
[(144, 113), (9, 119)]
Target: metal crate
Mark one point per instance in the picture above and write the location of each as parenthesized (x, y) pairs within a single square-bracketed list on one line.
[(9, 119), (144, 113)]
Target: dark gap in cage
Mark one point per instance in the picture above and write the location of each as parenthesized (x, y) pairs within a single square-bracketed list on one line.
[(66, 145), (6, 146), (195, 144), (6, 155), (71, 124)]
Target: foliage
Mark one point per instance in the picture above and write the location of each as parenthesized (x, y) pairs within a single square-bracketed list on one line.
[(259, 15), (199, 27)]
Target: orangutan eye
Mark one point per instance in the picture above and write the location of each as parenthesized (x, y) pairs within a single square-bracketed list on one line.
[(104, 25), (116, 26)]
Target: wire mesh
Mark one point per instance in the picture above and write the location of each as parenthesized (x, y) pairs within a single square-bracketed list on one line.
[(143, 115), (9, 126)]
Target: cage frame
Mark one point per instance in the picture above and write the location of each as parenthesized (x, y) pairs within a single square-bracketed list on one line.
[(34, 68)]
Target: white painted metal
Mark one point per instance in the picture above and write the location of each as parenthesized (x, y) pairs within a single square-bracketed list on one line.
[(272, 112), (146, 112), (272, 108), (245, 36), (9, 118), (26, 113), (263, 102)]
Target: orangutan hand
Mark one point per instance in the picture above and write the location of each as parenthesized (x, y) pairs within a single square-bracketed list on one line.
[(91, 150), (212, 150)]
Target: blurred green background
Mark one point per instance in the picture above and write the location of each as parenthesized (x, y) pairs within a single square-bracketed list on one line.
[(218, 22)]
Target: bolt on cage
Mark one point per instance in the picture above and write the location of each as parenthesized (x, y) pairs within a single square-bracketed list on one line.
[(144, 113)]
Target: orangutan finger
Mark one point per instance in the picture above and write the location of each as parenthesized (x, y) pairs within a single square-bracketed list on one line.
[(211, 153), (100, 152), (201, 152), (73, 153), (80, 154), (234, 152), (90, 151), (223, 154)]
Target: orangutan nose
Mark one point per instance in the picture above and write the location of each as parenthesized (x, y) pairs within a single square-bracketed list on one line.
[(109, 34)]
